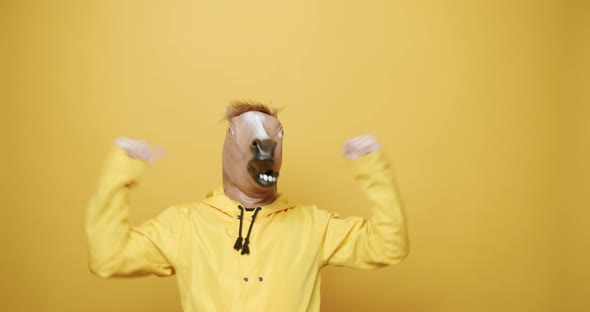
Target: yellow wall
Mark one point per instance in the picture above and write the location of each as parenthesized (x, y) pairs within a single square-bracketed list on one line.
[(474, 101), (577, 283)]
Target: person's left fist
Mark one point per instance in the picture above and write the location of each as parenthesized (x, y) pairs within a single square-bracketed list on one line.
[(359, 146)]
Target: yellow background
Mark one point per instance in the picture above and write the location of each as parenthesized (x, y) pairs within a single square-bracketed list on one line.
[(482, 106)]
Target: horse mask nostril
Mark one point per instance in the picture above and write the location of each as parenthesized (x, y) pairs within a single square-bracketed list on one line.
[(263, 149)]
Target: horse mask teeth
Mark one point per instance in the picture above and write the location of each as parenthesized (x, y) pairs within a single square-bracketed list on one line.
[(252, 153)]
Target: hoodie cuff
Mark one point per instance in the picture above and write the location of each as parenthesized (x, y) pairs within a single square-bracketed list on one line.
[(367, 164), (120, 168)]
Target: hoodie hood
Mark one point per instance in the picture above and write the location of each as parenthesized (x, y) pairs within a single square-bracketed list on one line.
[(217, 199), (220, 201)]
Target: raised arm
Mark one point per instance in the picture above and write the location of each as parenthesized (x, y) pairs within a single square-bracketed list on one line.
[(380, 240), (116, 249)]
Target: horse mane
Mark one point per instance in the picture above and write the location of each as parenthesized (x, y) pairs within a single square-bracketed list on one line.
[(239, 107)]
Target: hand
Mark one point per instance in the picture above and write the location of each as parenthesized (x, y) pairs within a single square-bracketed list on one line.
[(140, 149), (359, 146)]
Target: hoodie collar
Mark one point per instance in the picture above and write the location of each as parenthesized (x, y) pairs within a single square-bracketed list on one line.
[(217, 199)]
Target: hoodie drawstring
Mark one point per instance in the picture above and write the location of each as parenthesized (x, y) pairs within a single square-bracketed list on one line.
[(238, 245)]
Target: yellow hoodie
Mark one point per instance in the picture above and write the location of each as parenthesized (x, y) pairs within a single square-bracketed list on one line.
[(289, 244)]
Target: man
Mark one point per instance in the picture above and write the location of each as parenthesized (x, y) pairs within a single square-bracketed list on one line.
[(245, 247)]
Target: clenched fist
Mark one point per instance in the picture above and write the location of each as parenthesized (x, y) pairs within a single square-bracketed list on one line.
[(140, 149), (359, 146)]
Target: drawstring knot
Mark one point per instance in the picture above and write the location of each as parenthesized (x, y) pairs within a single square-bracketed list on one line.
[(245, 246)]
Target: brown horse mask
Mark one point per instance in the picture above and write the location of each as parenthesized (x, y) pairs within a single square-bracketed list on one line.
[(252, 154)]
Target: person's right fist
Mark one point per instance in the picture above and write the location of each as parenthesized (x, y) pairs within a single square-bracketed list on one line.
[(140, 149)]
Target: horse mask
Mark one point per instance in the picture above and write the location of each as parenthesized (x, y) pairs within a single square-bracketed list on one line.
[(252, 154)]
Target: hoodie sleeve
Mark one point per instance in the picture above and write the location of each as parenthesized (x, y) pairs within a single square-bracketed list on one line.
[(375, 242), (116, 249)]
